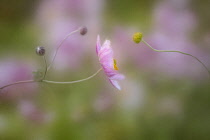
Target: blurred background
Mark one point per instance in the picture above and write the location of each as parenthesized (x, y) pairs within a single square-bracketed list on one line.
[(165, 96)]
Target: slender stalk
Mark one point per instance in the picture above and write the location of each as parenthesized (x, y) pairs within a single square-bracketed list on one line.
[(177, 52), (56, 51), (45, 63), (47, 68), (19, 82), (71, 82), (53, 82)]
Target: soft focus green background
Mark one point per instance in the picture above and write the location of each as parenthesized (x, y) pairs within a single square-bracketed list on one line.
[(153, 105)]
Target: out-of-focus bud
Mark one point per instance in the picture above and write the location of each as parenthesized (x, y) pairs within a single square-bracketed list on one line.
[(40, 51), (83, 30), (137, 37)]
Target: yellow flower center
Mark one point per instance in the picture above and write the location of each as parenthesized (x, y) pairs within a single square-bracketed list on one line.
[(115, 64)]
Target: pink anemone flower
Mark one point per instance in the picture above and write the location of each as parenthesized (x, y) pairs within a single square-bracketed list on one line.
[(108, 63)]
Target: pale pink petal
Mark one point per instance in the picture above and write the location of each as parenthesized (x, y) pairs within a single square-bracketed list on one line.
[(107, 44), (115, 84), (106, 59), (109, 72), (98, 44), (117, 77), (105, 54)]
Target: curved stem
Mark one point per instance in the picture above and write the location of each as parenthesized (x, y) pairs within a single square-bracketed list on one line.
[(71, 82), (19, 82), (177, 52), (45, 72), (56, 51)]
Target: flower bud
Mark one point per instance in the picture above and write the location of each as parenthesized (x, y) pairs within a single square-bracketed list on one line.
[(137, 37), (83, 30), (40, 51)]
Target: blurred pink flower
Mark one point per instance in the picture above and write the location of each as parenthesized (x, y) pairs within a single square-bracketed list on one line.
[(104, 101), (13, 71), (129, 52), (31, 112), (58, 18), (173, 25), (174, 22), (174, 18), (175, 64), (108, 63), (71, 52)]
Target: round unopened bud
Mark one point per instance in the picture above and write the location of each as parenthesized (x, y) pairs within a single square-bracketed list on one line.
[(137, 37), (83, 30), (40, 51)]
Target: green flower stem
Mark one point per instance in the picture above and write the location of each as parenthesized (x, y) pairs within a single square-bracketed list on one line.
[(29, 81), (72, 82), (177, 52), (53, 82), (56, 51), (50, 65), (45, 63), (19, 82)]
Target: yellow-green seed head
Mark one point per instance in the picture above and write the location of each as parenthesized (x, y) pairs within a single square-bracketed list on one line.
[(137, 37)]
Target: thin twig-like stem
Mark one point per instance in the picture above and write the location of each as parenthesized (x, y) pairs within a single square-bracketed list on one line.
[(45, 63), (56, 51), (71, 82), (53, 82), (177, 52), (19, 82), (47, 68)]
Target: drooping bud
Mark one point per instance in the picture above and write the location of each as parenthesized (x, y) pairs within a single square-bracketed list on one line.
[(137, 37), (40, 51), (83, 30)]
